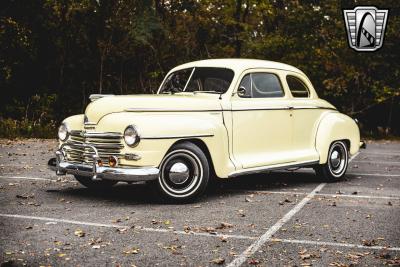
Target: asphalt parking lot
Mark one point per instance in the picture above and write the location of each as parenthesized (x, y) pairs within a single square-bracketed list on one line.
[(289, 218)]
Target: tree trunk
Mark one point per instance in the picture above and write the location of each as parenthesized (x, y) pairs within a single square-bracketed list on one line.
[(101, 73), (238, 43)]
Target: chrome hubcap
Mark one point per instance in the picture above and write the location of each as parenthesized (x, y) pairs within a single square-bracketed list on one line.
[(179, 173), (337, 159)]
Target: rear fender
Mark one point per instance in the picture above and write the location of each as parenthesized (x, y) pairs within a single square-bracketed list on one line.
[(336, 126)]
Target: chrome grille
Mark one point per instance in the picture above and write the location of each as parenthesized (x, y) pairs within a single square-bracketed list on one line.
[(107, 144)]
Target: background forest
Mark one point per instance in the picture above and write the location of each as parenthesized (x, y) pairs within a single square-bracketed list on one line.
[(54, 54)]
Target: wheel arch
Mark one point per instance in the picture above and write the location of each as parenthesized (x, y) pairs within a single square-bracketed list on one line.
[(203, 146), (336, 127)]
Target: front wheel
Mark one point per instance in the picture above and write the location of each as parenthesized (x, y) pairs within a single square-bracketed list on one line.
[(337, 162), (96, 185), (184, 173)]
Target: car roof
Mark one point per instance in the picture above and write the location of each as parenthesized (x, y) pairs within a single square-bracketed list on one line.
[(238, 64)]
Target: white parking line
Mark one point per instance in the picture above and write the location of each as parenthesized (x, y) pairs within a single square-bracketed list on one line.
[(158, 230), (354, 156), (389, 153), (27, 178), (378, 162), (334, 244), (145, 229), (318, 194), (273, 229), (374, 174)]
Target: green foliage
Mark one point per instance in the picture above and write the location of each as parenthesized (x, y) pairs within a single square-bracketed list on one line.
[(54, 54)]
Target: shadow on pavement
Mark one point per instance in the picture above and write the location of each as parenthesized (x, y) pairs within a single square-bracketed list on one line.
[(140, 193)]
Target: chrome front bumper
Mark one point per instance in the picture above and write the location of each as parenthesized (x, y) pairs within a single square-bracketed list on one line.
[(96, 172)]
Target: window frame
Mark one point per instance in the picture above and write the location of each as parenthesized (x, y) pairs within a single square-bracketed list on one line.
[(302, 82), (251, 82)]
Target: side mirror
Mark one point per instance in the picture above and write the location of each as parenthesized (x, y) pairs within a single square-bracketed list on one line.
[(242, 92)]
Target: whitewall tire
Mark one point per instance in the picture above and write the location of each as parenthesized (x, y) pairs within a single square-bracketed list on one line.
[(184, 173), (337, 162)]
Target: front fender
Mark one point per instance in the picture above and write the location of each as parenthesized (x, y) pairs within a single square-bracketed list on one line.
[(336, 126), (75, 122), (159, 131)]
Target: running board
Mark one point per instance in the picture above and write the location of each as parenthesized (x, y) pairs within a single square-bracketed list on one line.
[(272, 168)]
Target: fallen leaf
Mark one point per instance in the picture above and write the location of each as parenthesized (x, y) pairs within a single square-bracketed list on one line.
[(218, 261), (247, 199), (224, 225), (368, 243), (79, 233), (253, 262), (132, 251)]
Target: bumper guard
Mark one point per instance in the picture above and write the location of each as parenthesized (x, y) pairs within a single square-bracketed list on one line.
[(96, 172)]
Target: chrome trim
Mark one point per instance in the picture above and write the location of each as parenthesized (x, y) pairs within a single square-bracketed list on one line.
[(103, 134), (363, 144), (176, 136), (94, 97), (132, 156), (169, 110), (62, 167), (272, 167), (190, 77), (285, 108), (222, 110)]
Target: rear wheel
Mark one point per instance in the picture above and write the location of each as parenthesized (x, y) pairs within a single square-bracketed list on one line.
[(97, 184), (184, 173), (337, 162)]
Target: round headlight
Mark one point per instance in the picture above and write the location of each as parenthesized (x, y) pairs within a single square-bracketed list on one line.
[(63, 132), (131, 136)]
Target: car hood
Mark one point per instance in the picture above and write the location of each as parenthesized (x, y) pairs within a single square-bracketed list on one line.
[(151, 103)]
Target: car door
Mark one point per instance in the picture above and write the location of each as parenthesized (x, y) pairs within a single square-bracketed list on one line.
[(306, 114), (261, 120)]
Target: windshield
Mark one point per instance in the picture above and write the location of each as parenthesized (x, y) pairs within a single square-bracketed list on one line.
[(199, 79)]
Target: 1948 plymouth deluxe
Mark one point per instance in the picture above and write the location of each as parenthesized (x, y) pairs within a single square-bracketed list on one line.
[(212, 118)]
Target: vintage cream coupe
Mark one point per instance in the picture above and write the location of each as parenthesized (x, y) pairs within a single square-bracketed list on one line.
[(210, 119)]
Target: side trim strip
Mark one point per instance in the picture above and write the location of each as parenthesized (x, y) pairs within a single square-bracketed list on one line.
[(285, 108), (220, 110), (272, 167), (175, 136)]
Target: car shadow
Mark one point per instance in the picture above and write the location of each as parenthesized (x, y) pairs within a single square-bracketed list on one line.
[(140, 193)]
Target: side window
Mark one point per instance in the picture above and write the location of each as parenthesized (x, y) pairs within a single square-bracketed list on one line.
[(246, 84), (297, 87), (266, 85), (262, 85)]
